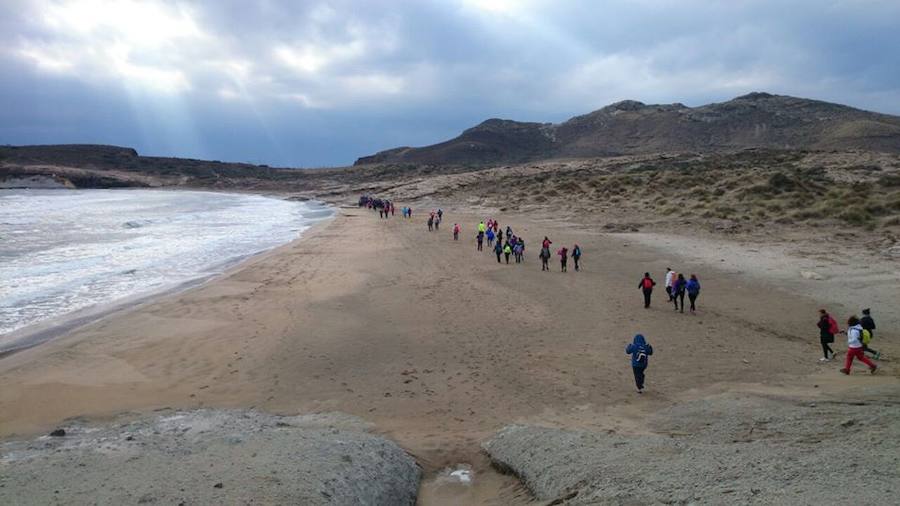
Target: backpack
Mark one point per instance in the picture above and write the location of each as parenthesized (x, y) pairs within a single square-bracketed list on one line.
[(641, 357), (647, 283), (866, 337), (832, 326)]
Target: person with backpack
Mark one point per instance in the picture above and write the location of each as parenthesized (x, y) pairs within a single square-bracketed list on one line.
[(693, 291), (456, 231), (545, 259), (490, 237), (640, 351), (498, 250), (507, 250), (828, 327), (480, 239), (855, 346), (646, 285), (868, 324), (563, 258), (678, 289), (576, 255), (481, 227)]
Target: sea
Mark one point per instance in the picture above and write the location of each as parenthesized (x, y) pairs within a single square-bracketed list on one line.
[(66, 252)]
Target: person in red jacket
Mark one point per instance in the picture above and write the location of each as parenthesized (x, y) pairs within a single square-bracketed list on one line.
[(646, 285), (828, 327), (563, 258)]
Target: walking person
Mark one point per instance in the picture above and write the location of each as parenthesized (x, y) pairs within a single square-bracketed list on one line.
[(498, 250), (855, 346), (507, 250), (693, 291), (646, 285), (828, 327), (437, 223), (440, 213), (456, 231), (480, 238), (576, 255), (481, 227), (563, 258), (669, 281), (430, 223), (678, 289), (490, 237), (640, 351), (545, 259), (868, 324)]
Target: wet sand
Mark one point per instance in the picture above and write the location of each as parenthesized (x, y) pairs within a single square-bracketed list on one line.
[(436, 344)]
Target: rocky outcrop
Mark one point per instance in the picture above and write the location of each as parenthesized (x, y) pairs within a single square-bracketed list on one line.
[(755, 120), (210, 457), (730, 449)]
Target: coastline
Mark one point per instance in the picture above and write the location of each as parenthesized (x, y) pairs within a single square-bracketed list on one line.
[(45, 330)]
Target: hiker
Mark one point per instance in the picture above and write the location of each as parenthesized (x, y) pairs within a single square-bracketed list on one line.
[(456, 231), (855, 346), (430, 223), (670, 280), (640, 351), (517, 251), (480, 238), (507, 249), (828, 327), (678, 289), (490, 237), (437, 223), (646, 285), (440, 213), (868, 324), (576, 255), (693, 291), (499, 236), (508, 231), (392, 209), (496, 227), (409, 212), (546, 243), (545, 259), (481, 227), (563, 258), (498, 250)]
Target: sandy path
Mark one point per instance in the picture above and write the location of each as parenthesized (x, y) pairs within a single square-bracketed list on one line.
[(434, 342)]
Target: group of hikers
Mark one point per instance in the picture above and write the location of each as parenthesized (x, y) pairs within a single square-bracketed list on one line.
[(860, 331), (676, 288)]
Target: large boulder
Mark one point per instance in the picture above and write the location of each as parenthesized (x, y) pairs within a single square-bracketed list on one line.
[(210, 457)]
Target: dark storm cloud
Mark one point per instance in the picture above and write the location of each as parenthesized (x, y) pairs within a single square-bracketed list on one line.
[(320, 83)]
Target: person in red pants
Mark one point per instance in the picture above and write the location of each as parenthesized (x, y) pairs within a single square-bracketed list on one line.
[(855, 346)]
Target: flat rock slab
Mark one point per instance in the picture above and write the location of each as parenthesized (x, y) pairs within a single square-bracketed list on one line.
[(720, 450), (210, 457)]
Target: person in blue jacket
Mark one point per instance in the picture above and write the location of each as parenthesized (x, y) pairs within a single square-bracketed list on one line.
[(640, 352), (693, 291)]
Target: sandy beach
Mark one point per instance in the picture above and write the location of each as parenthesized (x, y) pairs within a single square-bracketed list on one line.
[(437, 344)]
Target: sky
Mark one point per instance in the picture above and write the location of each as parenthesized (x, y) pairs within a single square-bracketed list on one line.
[(321, 83)]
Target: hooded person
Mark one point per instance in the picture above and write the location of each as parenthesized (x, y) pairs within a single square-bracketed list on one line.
[(868, 325), (640, 351), (828, 327)]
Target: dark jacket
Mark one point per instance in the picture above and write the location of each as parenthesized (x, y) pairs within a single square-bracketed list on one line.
[(867, 322), (639, 349)]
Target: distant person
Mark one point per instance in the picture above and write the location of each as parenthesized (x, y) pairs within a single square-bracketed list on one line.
[(828, 327), (640, 351), (693, 291), (576, 256), (440, 213), (490, 237), (563, 258), (437, 223), (409, 212), (646, 285), (517, 251), (669, 281), (545, 259), (507, 250), (546, 243), (392, 209), (855, 346), (678, 290), (481, 227), (868, 324), (479, 237), (508, 231), (496, 227), (381, 212), (430, 223), (498, 250), (500, 236), (456, 231)]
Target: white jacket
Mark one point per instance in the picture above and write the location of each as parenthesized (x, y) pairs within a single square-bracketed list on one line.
[(854, 336), (670, 278)]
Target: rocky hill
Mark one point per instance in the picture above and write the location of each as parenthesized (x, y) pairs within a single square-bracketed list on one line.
[(756, 120)]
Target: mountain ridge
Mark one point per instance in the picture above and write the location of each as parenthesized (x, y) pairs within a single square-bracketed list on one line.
[(753, 120)]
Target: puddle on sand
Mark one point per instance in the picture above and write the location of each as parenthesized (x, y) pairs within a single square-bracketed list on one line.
[(462, 485)]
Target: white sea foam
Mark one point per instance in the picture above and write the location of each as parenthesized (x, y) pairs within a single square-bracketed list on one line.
[(63, 251)]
